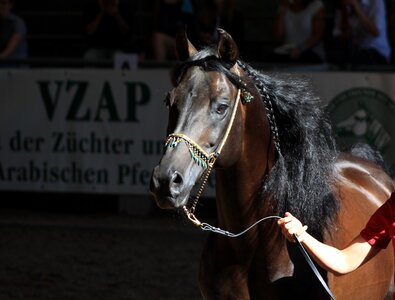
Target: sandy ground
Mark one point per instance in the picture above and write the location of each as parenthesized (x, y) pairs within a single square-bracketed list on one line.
[(64, 256)]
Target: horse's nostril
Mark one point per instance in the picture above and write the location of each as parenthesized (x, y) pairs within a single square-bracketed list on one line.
[(177, 178), (176, 184)]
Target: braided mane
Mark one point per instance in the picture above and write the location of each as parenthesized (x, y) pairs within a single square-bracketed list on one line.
[(300, 180)]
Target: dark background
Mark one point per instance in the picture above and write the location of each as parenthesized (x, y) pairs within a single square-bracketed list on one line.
[(55, 27)]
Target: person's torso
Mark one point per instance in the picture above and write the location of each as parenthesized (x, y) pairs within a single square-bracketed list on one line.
[(375, 11), (9, 26), (299, 27)]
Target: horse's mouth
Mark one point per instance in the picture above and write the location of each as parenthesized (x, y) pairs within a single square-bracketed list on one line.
[(169, 201)]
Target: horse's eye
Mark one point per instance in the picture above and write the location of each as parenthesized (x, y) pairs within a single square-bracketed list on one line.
[(221, 108)]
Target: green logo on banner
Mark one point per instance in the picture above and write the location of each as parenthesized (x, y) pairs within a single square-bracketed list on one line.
[(365, 115)]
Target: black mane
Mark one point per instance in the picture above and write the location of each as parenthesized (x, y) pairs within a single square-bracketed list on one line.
[(300, 180)]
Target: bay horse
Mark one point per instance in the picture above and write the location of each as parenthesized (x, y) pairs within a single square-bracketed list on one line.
[(272, 147)]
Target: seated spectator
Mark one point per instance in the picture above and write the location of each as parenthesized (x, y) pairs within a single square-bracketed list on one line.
[(107, 29), (13, 40), (360, 33), (300, 26), (169, 17)]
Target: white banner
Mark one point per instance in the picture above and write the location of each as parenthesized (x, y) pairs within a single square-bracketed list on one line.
[(103, 130), (81, 131)]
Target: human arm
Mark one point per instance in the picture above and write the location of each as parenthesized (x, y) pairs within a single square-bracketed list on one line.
[(330, 258), (341, 28), (16, 38), (368, 24), (92, 25), (12, 43), (107, 7), (113, 10)]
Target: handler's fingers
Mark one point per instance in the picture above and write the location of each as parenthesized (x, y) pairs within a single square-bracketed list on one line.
[(287, 218), (288, 236)]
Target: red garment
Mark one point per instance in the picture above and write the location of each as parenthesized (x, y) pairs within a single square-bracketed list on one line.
[(380, 229)]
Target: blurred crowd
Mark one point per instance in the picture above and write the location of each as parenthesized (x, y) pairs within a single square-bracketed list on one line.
[(343, 33)]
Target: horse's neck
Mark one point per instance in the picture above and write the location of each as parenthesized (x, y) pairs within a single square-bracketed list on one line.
[(238, 207), (238, 187), (239, 202)]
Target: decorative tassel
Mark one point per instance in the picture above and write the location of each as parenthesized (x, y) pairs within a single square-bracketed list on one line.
[(196, 155), (247, 97)]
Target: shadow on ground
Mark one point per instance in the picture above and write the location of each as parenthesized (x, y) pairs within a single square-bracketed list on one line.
[(96, 255)]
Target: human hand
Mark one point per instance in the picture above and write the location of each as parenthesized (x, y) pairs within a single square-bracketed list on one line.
[(291, 226)]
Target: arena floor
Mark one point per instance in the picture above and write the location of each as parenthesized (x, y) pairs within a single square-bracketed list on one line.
[(97, 256)]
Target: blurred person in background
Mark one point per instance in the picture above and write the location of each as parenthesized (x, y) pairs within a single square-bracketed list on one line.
[(107, 28), (169, 17), (300, 26), (360, 33), (13, 39), (213, 14)]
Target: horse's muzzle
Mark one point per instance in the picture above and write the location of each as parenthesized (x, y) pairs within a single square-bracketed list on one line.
[(167, 187)]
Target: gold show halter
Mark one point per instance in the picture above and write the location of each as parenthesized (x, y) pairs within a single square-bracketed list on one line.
[(202, 158)]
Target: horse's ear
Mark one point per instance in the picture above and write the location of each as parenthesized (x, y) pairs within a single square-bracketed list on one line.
[(184, 47), (227, 48)]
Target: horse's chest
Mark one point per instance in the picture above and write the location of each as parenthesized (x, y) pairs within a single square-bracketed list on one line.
[(251, 271)]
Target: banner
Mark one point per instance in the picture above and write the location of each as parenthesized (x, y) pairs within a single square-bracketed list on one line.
[(81, 131), (103, 131)]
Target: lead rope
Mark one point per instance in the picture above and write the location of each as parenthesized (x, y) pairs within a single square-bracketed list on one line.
[(208, 227)]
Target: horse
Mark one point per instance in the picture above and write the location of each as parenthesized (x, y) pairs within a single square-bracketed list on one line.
[(272, 146)]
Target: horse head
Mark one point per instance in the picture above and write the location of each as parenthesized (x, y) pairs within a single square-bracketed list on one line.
[(204, 120)]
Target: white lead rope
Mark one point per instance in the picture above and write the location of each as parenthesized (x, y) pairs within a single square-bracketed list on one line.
[(208, 227)]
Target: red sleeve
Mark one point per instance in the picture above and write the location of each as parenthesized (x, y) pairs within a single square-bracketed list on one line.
[(377, 230)]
